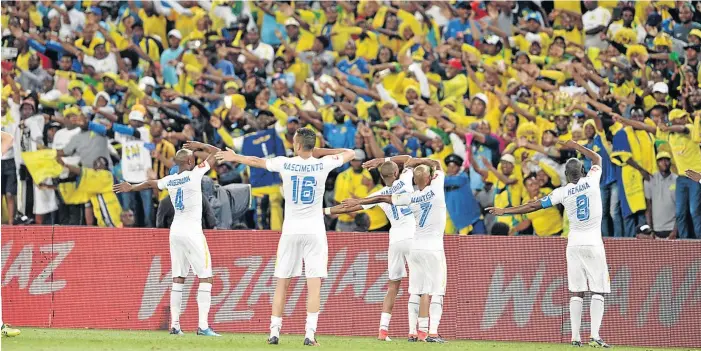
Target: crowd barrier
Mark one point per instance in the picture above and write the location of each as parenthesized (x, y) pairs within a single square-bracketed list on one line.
[(499, 288)]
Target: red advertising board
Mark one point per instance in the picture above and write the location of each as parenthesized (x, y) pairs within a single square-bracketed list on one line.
[(499, 288)]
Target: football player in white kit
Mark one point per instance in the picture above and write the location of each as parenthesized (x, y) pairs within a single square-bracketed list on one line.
[(303, 236), (586, 260), (427, 266), (401, 233), (188, 245)]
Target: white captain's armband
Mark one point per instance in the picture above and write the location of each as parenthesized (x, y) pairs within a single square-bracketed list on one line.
[(327, 211), (401, 199)]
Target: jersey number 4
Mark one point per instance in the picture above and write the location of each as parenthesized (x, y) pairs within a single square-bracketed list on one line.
[(582, 207), (303, 189), (179, 200)]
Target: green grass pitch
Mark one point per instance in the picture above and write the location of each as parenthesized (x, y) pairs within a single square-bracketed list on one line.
[(87, 339)]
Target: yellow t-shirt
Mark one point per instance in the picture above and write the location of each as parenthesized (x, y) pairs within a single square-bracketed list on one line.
[(508, 196), (441, 155), (106, 207), (154, 25), (350, 184), (547, 221), (685, 151)]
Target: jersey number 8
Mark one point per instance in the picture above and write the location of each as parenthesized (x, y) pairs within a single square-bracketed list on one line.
[(303, 189), (582, 207)]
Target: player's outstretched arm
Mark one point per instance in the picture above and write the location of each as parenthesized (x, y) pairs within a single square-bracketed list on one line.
[(231, 156), (350, 203), (125, 187), (347, 154), (340, 209), (527, 208), (590, 154), (424, 161)]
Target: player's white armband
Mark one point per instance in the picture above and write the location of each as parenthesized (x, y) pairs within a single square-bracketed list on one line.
[(401, 199)]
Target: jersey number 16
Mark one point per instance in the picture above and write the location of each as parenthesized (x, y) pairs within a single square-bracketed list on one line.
[(303, 189)]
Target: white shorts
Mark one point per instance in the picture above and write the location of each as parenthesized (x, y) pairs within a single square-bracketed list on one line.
[(427, 272), (190, 251), (397, 257), (292, 250), (587, 269)]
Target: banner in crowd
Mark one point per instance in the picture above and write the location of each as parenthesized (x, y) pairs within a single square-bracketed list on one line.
[(499, 288)]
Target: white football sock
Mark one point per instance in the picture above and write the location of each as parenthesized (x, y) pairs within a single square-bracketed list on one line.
[(413, 313), (204, 300), (423, 324), (435, 311), (310, 328), (176, 298), (384, 320), (576, 316), (275, 326), (596, 311)]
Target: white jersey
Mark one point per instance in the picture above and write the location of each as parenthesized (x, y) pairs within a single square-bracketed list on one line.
[(303, 184), (428, 206), (400, 217), (185, 190), (582, 203)]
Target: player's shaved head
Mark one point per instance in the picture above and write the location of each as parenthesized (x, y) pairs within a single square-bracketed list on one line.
[(388, 172), (422, 176), (574, 170), (185, 159)]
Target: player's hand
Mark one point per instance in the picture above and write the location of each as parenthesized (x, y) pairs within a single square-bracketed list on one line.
[(122, 187), (226, 156), (193, 145), (374, 163), (495, 211), (348, 203), (693, 175)]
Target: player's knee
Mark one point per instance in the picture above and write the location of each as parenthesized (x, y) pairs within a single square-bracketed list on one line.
[(179, 280), (578, 294), (207, 280), (393, 287)]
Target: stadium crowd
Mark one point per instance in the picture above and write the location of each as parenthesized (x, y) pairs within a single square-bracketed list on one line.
[(96, 92)]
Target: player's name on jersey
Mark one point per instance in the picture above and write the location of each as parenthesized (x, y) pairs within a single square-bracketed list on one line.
[(293, 167), (578, 188), (180, 181), (423, 198), (395, 188)]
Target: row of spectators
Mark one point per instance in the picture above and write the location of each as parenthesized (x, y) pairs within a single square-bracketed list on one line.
[(112, 89)]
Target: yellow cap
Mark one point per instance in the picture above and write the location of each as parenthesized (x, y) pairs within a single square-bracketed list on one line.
[(663, 154), (73, 110), (112, 76), (139, 107), (231, 85), (75, 84), (662, 39), (695, 32), (677, 113)]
